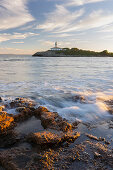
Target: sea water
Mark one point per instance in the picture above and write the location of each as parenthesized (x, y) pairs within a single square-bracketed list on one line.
[(53, 82)]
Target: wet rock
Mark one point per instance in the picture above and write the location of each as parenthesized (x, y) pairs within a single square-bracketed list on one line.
[(23, 115), (98, 139), (79, 98), (92, 137), (0, 99), (107, 142), (21, 102), (40, 110), (7, 139), (97, 155), (1, 108), (48, 118), (52, 120), (20, 109), (52, 137), (6, 121), (16, 158), (110, 106)]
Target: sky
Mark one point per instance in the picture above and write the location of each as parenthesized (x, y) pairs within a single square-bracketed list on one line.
[(28, 26)]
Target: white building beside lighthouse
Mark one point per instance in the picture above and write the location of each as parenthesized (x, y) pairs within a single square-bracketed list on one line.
[(56, 48)]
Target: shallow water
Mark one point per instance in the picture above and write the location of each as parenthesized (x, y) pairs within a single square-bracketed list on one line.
[(53, 82)]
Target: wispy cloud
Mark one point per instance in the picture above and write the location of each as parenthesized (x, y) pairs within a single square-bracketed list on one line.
[(81, 2), (19, 36), (63, 20), (96, 19), (20, 42), (60, 18), (14, 14)]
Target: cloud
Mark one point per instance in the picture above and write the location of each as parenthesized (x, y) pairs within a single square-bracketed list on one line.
[(20, 42), (81, 2), (63, 20), (96, 19), (19, 36), (60, 18), (14, 14)]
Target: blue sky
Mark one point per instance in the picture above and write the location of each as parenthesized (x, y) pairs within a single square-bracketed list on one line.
[(28, 26)]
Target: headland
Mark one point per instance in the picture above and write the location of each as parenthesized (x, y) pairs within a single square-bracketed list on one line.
[(71, 52)]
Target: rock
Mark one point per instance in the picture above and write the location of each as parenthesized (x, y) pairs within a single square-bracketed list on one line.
[(107, 142), (97, 155), (52, 137), (98, 139), (92, 137), (1, 108), (7, 139), (24, 114), (79, 98), (20, 109), (21, 102), (48, 118), (52, 120), (16, 158), (6, 121), (0, 99), (40, 110)]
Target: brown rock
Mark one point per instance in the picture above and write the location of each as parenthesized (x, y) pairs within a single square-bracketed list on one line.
[(1, 108), (6, 121), (52, 137), (48, 118), (40, 110), (97, 155), (8, 138), (52, 120), (16, 159), (20, 109), (92, 137), (24, 115), (21, 102)]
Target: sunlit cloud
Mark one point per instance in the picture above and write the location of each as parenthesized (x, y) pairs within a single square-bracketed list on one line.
[(21, 42), (95, 20), (81, 2), (14, 14), (60, 18), (6, 36)]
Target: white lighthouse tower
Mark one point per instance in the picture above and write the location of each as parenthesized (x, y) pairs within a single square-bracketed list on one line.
[(56, 48), (55, 44)]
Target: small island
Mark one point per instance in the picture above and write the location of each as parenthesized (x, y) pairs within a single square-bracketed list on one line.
[(71, 52)]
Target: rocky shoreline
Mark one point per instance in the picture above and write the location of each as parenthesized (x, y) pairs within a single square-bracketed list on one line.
[(36, 138)]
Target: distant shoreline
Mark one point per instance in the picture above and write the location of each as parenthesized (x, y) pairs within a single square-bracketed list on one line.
[(74, 52)]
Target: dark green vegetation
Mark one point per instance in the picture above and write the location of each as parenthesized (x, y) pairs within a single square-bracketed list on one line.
[(80, 52), (73, 52)]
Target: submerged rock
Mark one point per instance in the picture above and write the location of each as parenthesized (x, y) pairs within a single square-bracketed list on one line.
[(52, 137), (21, 102), (79, 98)]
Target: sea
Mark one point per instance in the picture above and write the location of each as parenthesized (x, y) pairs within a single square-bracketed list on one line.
[(54, 82)]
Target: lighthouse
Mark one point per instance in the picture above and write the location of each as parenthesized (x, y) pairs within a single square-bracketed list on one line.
[(55, 44), (56, 48)]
